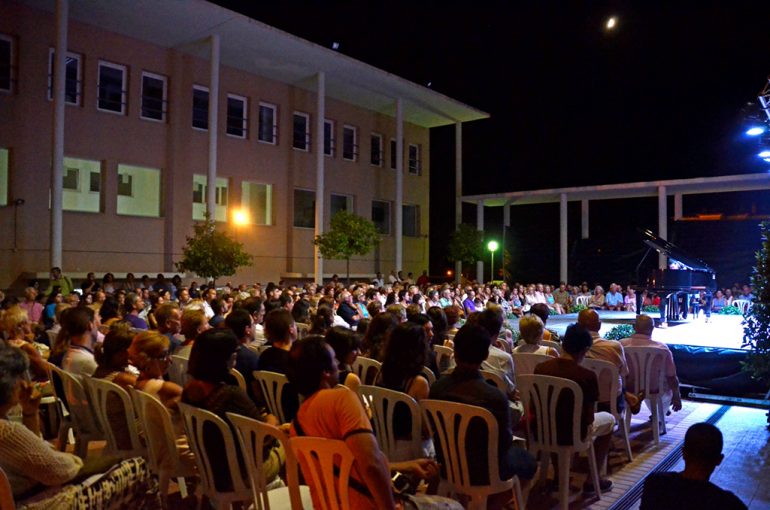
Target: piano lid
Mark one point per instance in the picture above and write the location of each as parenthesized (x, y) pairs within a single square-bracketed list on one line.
[(674, 252)]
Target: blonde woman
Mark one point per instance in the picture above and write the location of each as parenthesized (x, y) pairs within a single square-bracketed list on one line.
[(597, 299), (18, 333), (531, 329)]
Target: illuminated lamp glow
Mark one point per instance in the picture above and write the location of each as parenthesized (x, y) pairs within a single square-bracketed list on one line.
[(755, 131), (764, 154)]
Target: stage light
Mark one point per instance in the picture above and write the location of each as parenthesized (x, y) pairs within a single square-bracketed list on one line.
[(764, 154), (611, 23), (335, 45), (767, 159), (240, 217), (756, 131)]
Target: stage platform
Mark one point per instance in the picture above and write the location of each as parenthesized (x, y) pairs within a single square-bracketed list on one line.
[(707, 355)]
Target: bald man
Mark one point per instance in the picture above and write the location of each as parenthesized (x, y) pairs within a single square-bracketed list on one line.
[(642, 337), (605, 350)]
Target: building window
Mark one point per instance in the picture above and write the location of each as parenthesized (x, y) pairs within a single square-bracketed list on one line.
[(78, 193), (111, 88), (73, 77), (350, 143), (329, 141), (381, 216), (268, 123), (7, 63), (237, 116), (301, 131), (154, 97), (375, 157), (411, 220), (304, 208), (393, 154), (415, 166), (200, 109), (339, 203), (4, 176), (200, 192), (257, 198), (138, 191)]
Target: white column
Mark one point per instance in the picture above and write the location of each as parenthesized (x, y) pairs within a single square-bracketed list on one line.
[(318, 265), (563, 237), (677, 206), (399, 184), (584, 219), (662, 223), (57, 151), (211, 195), (480, 227), (458, 188), (506, 224)]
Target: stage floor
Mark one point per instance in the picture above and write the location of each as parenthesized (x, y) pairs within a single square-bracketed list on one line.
[(722, 331)]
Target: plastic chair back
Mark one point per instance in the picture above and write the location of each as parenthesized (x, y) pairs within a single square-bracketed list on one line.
[(525, 363), (196, 421), (742, 304), (273, 384), (583, 300), (554, 345), (326, 466), (158, 430), (366, 369), (77, 402), (105, 395), (177, 371), (259, 349), (645, 369), (252, 436), (494, 379), (238, 378), (448, 422), (607, 377), (383, 403), (428, 374), (444, 358)]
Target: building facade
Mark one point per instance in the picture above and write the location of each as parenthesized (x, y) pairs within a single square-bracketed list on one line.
[(137, 149)]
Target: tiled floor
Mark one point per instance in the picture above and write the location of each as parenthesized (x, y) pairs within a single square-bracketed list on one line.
[(744, 470)]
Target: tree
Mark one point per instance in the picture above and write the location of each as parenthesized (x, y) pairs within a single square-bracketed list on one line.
[(210, 253), (756, 325), (348, 235), (466, 245)]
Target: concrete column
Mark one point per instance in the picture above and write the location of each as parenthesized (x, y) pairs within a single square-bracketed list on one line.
[(458, 188), (563, 237), (211, 195), (662, 223), (480, 227), (584, 219), (506, 224), (57, 151), (399, 184), (318, 265), (677, 206)]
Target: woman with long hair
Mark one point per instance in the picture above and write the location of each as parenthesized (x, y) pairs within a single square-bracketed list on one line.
[(347, 346), (377, 334)]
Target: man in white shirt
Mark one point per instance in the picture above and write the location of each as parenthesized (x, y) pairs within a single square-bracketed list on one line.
[(378, 281)]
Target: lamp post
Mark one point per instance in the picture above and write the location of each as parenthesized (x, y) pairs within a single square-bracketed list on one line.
[(492, 247)]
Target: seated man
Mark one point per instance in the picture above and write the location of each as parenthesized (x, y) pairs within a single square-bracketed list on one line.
[(614, 299), (644, 327), (466, 386), (337, 413), (575, 345), (691, 489)]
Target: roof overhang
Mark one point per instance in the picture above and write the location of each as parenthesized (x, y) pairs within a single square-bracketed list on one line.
[(257, 48), (721, 184)]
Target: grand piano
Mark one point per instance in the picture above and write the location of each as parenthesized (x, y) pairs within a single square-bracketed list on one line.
[(684, 276)]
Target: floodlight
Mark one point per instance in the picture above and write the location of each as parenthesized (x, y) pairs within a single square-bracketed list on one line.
[(764, 154), (756, 131)]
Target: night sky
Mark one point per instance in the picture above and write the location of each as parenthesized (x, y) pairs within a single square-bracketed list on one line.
[(662, 96)]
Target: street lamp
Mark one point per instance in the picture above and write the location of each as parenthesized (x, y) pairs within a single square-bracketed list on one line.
[(240, 219), (492, 247)]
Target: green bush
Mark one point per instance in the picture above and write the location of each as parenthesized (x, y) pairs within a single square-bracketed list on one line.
[(578, 308), (730, 310), (651, 308), (620, 331)]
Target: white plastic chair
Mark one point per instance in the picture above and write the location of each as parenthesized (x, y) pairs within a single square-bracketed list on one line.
[(525, 363), (273, 384), (583, 300), (326, 466), (383, 403), (177, 371), (607, 376), (65, 418), (428, 374), (164, 457), (554, 345), (252, 435), (366, 369), (6, 494), (84, 424), (448, 422), (540, 395), (238, 378), (645, 373), (444, 358), (495, 379), (195, 421), (259, 349), (100, 391), (742, 304)]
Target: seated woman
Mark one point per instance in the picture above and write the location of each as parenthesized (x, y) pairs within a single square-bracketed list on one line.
[(212, 357), (630, 300), (531, 329), (719, 301), (322, 321), (346, 345), (194, 323), (551, 301), (112, 357), (597, 299), (377, 333), (43, 476), (18, 333)]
